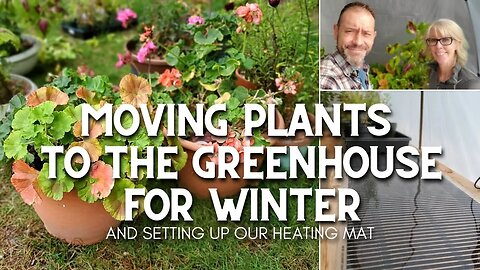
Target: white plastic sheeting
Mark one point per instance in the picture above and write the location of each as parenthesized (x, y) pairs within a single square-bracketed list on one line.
[(405, 106), (451, 120)]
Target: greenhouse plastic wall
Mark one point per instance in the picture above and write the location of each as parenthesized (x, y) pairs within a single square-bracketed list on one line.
[(450, 120)]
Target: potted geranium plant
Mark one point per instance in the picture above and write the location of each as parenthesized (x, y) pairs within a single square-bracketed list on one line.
[(10, 85), (408, 66), (281, 40), (204, 74), (19, 49), (163, 28), (79, 211), (90, 18)]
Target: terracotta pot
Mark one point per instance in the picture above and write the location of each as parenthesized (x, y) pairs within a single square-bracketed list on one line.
[(300, 140), (149, 66), (242, 81), (330, 142), (227, 187), (75, 221)]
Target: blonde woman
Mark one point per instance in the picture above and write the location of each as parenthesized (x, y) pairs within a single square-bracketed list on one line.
[(448, 47)]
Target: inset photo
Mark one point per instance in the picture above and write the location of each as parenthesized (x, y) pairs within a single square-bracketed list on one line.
[(376, 44)]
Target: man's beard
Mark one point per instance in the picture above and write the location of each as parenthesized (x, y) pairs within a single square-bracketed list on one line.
[(356, 61)]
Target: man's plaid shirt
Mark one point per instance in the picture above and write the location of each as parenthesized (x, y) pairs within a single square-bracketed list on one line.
[(338, 74)]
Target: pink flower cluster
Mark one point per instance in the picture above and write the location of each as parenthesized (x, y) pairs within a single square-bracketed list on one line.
[(125, 16), (85, 70), (288, 87), (147, 48), (170, 77), (234, 142), (251, 13), (196, 20), (123, 59)]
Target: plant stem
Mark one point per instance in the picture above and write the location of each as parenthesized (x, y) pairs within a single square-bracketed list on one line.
[(244, 41), (149, 75), (308, 31)]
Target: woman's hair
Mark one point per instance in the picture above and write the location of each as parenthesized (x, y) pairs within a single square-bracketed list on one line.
[(449, 28)]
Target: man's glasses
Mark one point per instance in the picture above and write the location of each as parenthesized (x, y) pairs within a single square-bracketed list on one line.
[(445, 41)]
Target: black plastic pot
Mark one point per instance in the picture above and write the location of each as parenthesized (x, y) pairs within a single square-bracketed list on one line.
[(87, 31), (398, 140)]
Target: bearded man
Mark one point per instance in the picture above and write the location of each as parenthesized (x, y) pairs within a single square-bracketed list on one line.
[(345, 69)]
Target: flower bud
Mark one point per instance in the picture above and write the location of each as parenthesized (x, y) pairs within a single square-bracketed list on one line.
[(25, 5), (229, 6), (274, 3), (43, 25)]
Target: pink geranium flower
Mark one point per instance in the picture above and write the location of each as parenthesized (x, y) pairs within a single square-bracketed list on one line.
[(146, 49), (170, 77), (288, 87), (123, 59), (196, 20), (103, 175), (125, 16), (234, 142), (251, 13)]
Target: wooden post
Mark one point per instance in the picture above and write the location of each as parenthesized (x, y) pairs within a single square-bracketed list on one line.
[(333, 252)]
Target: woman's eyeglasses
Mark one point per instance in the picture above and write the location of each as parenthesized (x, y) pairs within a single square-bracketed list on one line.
[(445, 41)]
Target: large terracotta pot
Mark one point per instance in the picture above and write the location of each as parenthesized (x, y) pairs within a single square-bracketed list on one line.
[(151, 65), (227, 187), (75, 221)]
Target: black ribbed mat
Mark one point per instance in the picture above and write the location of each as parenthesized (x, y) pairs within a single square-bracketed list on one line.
[(419, 224)]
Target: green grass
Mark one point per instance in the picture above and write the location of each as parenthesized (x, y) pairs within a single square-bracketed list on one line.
[(98, 53), (26, 244)]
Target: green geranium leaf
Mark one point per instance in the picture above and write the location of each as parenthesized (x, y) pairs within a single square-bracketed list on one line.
[(258, 138), (98, 84), (17, 101), (202, 51), (235, 115), (240, 93), (248, 63), (180, 159), (189, 74), (211, 99), (115, 202), (172, 56), (43, 113), (232, 103), (209, 38), (62, 82), (140, 138), (14, 146), (84, 189), (230, 67), (23, 120), (126, 120), (54, 188), (61, 124), (41, 139), (157, 140)]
